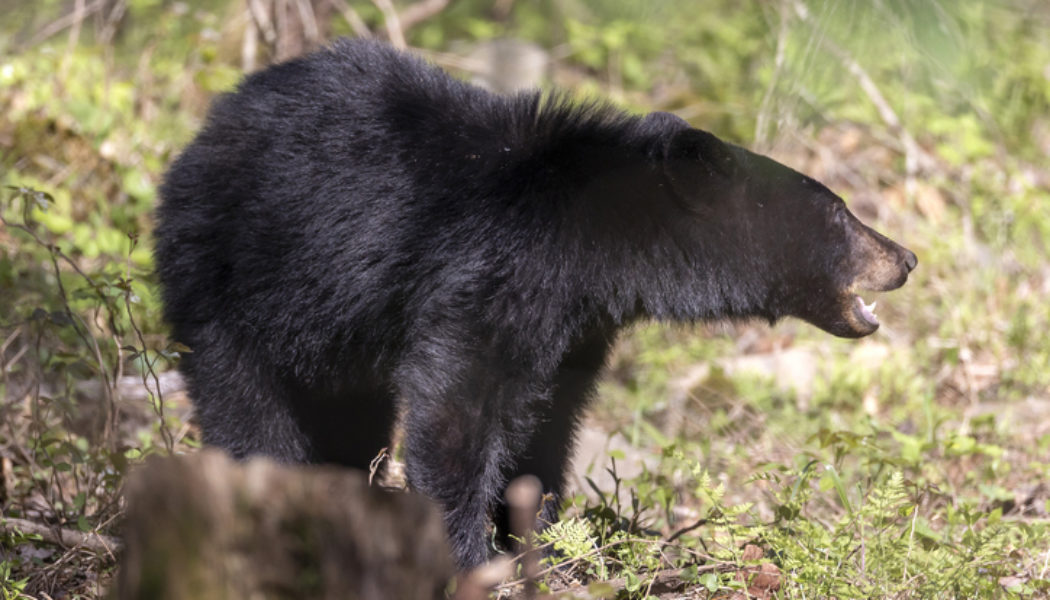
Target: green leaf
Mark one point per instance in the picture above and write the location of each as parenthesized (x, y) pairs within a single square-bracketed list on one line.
[(710, 581), (632, 582), (690, 574)]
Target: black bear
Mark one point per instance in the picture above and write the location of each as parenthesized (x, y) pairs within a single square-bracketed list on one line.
[(355, 235)]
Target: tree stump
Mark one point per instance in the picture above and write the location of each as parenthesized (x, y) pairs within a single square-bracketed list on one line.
[(204, 526)]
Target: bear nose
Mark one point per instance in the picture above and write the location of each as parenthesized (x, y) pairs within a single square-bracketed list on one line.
[(910, 260)]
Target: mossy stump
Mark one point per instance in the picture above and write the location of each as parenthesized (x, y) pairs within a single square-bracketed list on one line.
[(204, 526)]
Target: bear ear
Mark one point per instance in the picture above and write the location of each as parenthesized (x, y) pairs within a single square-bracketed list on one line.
[(696, 160)]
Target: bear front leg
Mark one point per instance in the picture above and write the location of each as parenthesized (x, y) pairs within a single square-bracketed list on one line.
[(549, 449), (461, 425)]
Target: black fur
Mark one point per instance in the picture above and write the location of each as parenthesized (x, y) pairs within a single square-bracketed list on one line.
[(356, 233)]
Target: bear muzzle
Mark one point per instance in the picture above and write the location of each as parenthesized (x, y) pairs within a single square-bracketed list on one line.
[(884, 266)]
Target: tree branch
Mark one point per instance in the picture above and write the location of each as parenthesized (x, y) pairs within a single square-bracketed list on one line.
[(392, 22), (67, 538), (352, 18), (421, 11), (78, 15)]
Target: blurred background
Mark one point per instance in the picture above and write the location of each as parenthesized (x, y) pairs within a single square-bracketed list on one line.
[(914, 463)]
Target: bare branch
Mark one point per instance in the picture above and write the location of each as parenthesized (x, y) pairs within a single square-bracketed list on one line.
[(762, 123), (67, 538), (421, 11), (392, 22), (261, 17), (397, 23), (250, 44), (112, 21), (72, 18), (309, 21), (662, 582), (352, 18), (74, 32)]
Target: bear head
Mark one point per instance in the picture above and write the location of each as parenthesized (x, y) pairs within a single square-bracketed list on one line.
[(791, 244)]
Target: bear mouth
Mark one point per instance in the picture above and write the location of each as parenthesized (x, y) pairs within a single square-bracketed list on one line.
[(864, 312), (861, 316)]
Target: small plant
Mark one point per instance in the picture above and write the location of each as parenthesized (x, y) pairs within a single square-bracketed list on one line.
[(73, 344)]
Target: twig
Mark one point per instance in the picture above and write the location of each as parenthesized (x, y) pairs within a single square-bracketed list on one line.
[(7, 483), (74, 33), (80, 327), (699, 523), (112, 21), (377, 461), (392, 22), (61, 23), (396, 24), (309, 21), (64, 537), (669, 580), (352, 18), (157, 399), (762, 123), (262, 21), (911, 540), (250, 44), (421, 11), (915, 158), (7, 344), (452, 61), (598, 552)]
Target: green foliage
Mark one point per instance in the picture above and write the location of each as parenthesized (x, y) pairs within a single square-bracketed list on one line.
[(12, 587), (881, 541), (77, 323), (572, 538)]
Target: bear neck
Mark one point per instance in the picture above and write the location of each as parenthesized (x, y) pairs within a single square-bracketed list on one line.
[(633, 251)]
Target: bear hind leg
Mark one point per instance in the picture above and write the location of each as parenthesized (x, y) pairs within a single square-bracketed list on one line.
[(242, 409)]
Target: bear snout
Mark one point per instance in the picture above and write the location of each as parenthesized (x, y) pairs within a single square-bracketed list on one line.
[(905, 264), (882, 264), (910, 260)]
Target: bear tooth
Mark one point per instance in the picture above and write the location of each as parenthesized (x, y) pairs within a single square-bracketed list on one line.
[(871, 308)]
